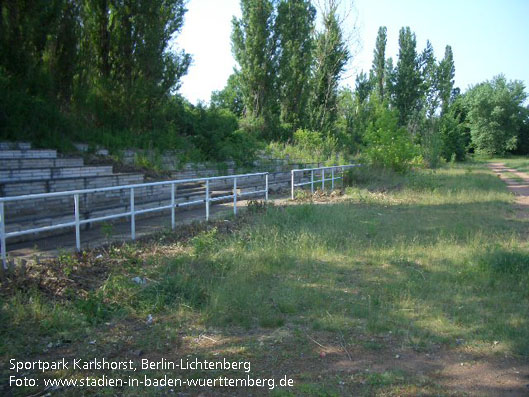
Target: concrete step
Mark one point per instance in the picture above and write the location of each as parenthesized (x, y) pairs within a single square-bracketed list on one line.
[(60, 185), (39, 174), (15, 145), (19, 164), (28, 154), (56, 206)]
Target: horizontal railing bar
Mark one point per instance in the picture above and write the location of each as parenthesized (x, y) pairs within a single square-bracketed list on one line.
[(254, 192), (147, 210), (317, 181), (106, 218), (123, 187), (305, 183), (325, 168), (191, 203), (39, 229)]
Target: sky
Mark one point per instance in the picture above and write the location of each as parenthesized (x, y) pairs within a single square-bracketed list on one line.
[(488, 37)]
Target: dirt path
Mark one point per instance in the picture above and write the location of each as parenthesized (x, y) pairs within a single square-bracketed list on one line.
[(517, 182)]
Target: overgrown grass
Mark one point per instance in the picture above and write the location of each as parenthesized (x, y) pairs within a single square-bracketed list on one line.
[(434, 257), (438, 258)]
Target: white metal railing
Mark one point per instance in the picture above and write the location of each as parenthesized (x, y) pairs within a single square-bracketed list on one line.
[(338, 169), (77, 222)]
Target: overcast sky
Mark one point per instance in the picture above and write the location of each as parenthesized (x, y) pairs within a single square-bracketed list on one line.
[(488, 37)]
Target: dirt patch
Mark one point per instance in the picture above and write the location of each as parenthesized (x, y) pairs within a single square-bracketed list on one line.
[(518, 183)]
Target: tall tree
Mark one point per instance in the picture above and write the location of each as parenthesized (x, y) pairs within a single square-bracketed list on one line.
[(254, 49), (446, 73), (430, 85), (496, 115), (390, 80), (379, 62), (26, 32), (64, 53), (330, 57), (294, 30), (135, 69), (408, 82)]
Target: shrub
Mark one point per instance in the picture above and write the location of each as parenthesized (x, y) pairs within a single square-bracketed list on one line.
[(387, 144)]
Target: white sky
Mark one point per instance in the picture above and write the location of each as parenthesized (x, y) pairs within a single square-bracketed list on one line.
[(488, 37)]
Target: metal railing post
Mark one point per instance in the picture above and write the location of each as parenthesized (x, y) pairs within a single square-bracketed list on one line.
[(3, 235), (132, 215), (234, 196), (322, 179), (266, 187), (332, 178), (292, 183), (173, 217), (312, 181), (77, 224), (207, 200)]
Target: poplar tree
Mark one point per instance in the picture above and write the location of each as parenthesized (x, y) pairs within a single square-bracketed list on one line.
[(379, 62), (126, 47), (408, 81), (330, 57), (446, 74), (430, 82), (294, 30), (254, 49)]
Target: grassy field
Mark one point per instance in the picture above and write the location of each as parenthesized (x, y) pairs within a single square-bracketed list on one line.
[(402, 265)]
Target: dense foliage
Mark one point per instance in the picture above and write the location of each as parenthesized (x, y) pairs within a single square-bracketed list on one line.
[(496, 115), (106, 72)]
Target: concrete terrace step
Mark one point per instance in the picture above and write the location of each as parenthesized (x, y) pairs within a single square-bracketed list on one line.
[(65, 184), (15, 145), (39, 174), (19, 164), (56, 206), (28, 154)]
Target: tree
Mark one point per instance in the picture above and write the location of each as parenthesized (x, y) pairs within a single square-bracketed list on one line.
[(363, 87), (64, 53), (134, 70), (446, 73), (390, 80), (230, 97), (294, 30), (455, 134), (429, 73), (408, 81), (496, 115), (254, 49), (330, 57), (379, 62)]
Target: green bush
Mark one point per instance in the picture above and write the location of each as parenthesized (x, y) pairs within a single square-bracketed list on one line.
[(387, 144)]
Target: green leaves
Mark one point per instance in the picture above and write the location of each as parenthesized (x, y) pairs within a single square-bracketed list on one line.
[(387, 144), (330, 57), (379, 62), (253, 48), (408, 79), (294, 28), (496, 115)]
